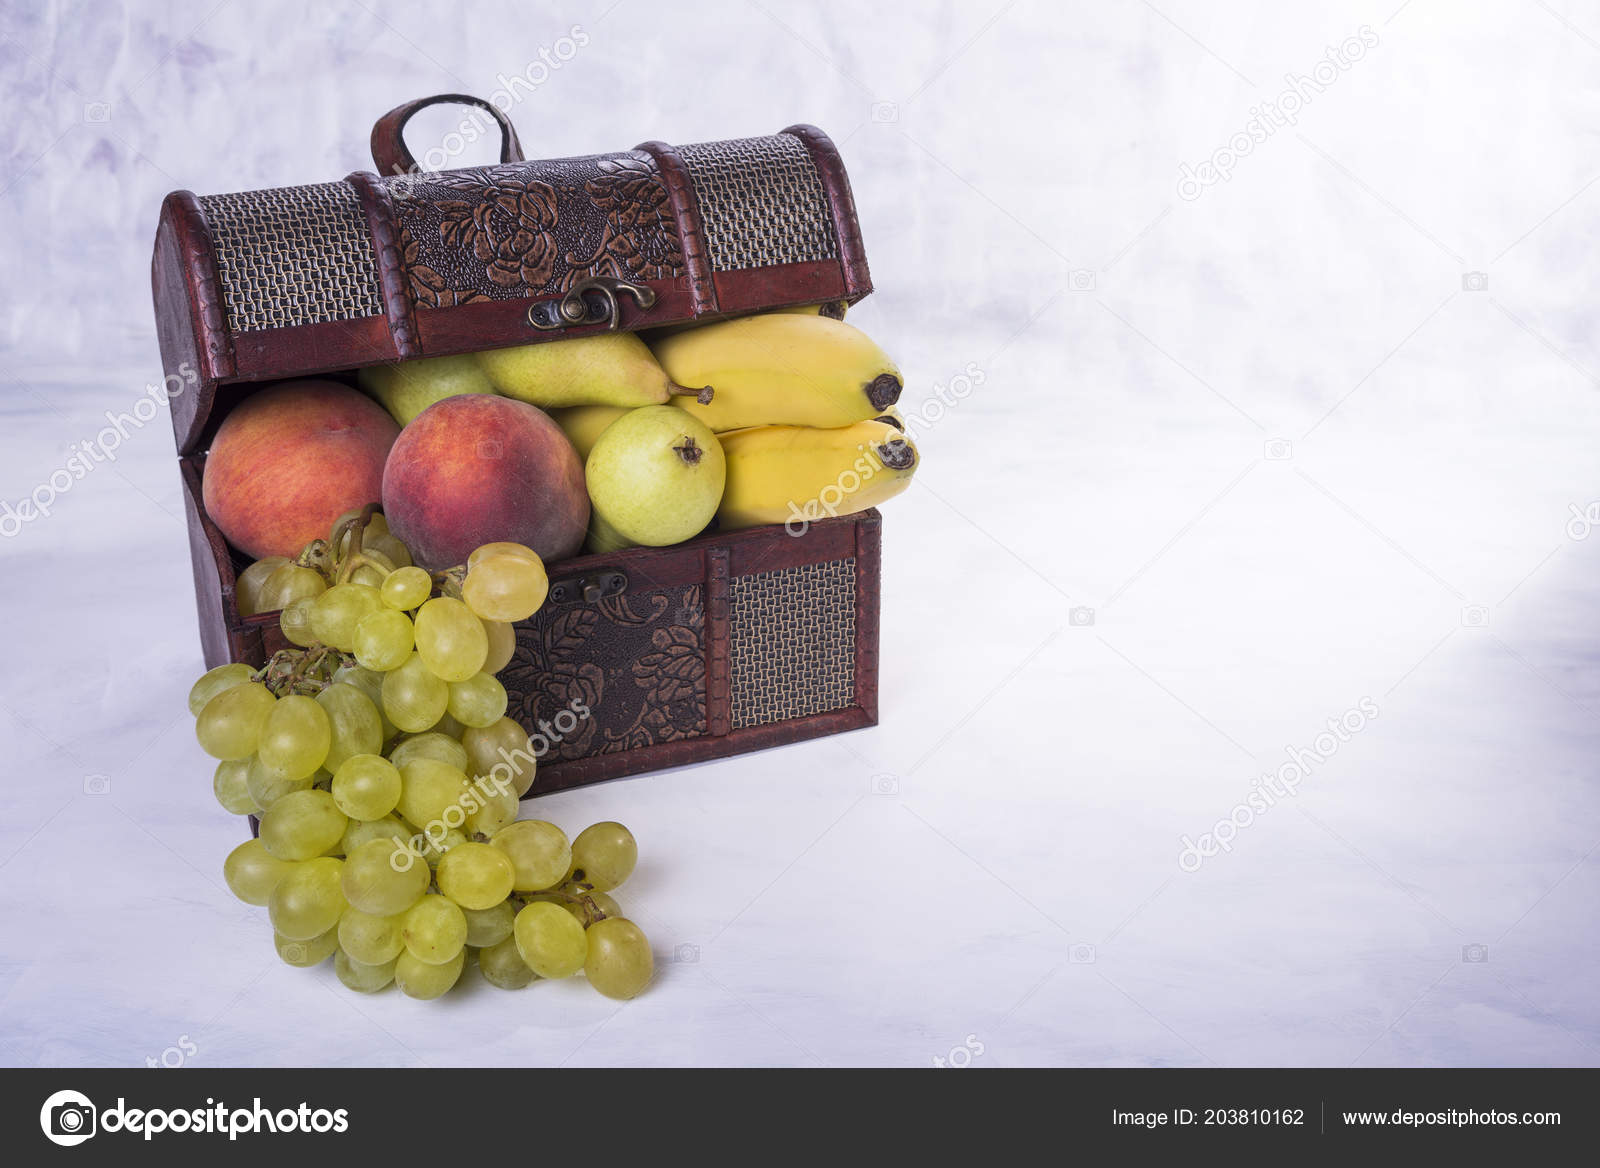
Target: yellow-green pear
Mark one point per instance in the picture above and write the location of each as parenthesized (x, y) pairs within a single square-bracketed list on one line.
[(583, 425), (406, 388), (608, 369)]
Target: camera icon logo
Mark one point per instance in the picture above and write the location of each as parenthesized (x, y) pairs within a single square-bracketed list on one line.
[(1475, 616), (1080, 617), (97, 784), (68, 1118), (1474, 281), (687, 954), (97, 111), (1475, 954), (1081, 954), (1277, 450), (885, 784), (1081, 280), (884, 112)]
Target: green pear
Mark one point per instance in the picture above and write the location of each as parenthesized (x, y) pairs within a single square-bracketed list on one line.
[(655, 477), (607, 369), (603, 538), (406, 388)]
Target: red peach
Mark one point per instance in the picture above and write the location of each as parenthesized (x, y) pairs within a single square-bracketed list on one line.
[(290, 459), (479, 469)]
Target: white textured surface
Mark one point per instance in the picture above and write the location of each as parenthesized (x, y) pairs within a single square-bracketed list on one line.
[(1043, 772)]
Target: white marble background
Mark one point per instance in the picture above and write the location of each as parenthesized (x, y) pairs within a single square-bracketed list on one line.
[(1272, 438)]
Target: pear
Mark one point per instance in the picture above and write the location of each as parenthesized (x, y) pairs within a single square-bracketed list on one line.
[(583, 425), (603, 538), (655, 477), (406, 388), (607, 369)]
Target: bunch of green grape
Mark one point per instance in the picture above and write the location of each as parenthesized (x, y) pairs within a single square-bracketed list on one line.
[(387, 779)]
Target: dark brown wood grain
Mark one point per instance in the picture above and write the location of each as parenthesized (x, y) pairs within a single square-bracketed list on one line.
[(719, 698), (392, 282), (190, 322), (852, 253), (691, 229)]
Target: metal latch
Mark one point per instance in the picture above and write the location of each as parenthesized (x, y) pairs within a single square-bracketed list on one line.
[(590, 588), (590, 301)]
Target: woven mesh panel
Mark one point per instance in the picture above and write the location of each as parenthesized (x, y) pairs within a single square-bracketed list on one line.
[(761, 201), (793, 642), (293, 255)]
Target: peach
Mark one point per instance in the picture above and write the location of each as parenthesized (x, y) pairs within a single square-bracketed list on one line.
[(290, 459), (478, 469)]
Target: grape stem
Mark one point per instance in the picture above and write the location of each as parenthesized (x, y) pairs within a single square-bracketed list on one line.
[(306, 671), (591, 909), (352, 559)]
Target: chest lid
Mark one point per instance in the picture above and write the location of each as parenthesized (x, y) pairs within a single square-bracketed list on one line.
[(407, 263)]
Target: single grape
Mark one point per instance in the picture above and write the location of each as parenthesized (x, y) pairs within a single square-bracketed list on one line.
[(366, 786), (387, 827), (479, 701), (214, 681), (429, 789), (339, 610), (435, 929), (307, 901), (489, 926), (435, 846), (601, 901), (603, 855), (450, 640), (430, 745), (230, 783), (295, 622), (230, 725), (247, 588), (266, 786), (295, 738), (371, 684), (374, 569), (520, 550), (370, 939), (497, 809), (252, 872), (383, 878), (502, 752), (304, 954), (540, 854), (502, 645), (385, 544), (355, 724), (419, 979), (384, 640), (448, 726), (376, 525), (406, 589), (550, 940), (414, 697), (502, 965), (505, 588), (289, 582), (302, 825), (476, 875), (362, 977), (619, 963)]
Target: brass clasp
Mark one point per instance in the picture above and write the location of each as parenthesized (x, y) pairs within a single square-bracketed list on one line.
[(589, 301)]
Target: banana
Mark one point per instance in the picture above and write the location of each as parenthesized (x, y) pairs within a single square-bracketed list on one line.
[(797, 475), (832, 309), (894, 417), (781, 368), (583, 425)]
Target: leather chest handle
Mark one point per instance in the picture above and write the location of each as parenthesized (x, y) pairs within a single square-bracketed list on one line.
[(389, 149)]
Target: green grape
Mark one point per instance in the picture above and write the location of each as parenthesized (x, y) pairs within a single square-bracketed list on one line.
[(266, 786), (539, 853), (476, 875), (502, 965), (502, 645), (295, 622), (450, 640), (436, 846), (550, 940), (374, 572), (214, 681), (230, 724), (288, 583), (370, 939), (603, 855), (366, 786), (247, 588), (302, 825), (505, 588), (383, 878), (429, 789), (601, 900), (371, 684), (430, 745), (230, 783), (386, 544), (414, 697), (406, 588), (307, 901), (376, 524), (384, 640), (503, 752), (418, 979), (520, 550), (339, 610), (295, 739), (619, 963), (479, 701), (306, 953), (448, 726), (356, 725), (489, 926), (387, 827), (435, 929), (498, 809), (362, 977), (252, 872)]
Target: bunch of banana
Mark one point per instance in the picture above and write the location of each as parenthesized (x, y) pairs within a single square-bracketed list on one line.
[(797, 475)]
